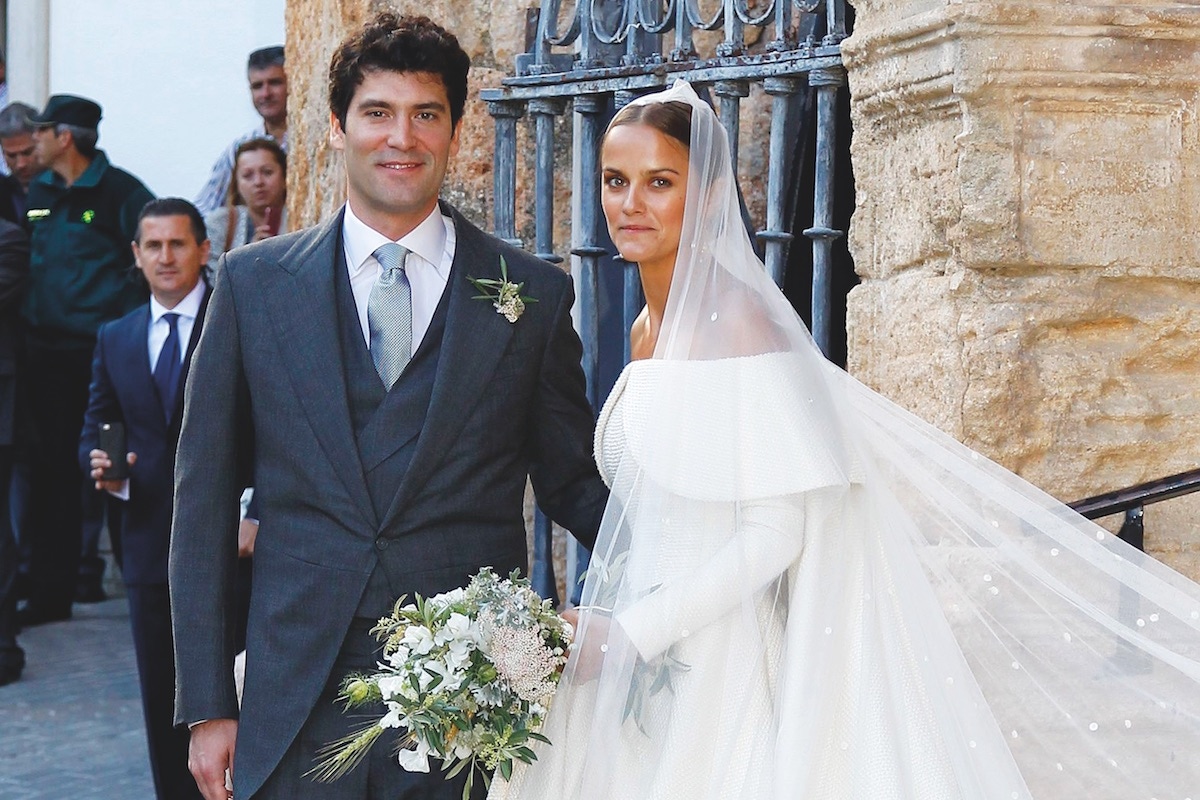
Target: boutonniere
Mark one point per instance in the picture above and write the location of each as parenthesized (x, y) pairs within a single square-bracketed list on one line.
[(505, 295)]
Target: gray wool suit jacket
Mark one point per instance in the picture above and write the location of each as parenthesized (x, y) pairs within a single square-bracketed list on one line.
[(267, 392)]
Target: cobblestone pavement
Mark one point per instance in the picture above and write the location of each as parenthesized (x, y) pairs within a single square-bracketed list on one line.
[(72, 726)]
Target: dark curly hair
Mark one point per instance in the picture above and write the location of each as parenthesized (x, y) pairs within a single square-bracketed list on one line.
[(393, 43)]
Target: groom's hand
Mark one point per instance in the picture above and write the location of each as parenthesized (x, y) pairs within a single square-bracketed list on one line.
[(210, 754)]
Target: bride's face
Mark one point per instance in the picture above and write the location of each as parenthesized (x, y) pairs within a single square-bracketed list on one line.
[(644, 174)]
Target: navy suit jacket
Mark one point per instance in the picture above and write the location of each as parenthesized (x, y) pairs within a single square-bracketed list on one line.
[(507, 403), (123, 390)]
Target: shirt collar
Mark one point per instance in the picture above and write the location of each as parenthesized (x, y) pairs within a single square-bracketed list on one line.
[(91, 176), (260, 132), (187, 307), (427, 240)]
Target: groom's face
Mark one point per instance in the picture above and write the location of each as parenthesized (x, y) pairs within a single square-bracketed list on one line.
[(397, 141)]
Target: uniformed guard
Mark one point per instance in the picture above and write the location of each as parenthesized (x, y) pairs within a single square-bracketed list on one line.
[(82, 216)]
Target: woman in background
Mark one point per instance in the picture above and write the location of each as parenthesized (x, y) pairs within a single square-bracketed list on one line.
[(256, 208)]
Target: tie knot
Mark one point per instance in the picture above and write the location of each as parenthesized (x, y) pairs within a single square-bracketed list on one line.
[(391, 255), (171, 317)]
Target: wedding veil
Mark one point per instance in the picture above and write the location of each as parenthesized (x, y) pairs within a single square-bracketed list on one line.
[(800, 590)]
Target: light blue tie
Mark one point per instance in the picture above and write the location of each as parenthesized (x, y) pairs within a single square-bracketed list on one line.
[(389, 315)]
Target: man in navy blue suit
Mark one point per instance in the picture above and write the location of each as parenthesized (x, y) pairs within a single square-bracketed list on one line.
[(138, 372)]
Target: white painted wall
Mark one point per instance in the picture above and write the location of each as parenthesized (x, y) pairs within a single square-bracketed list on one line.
[(170, 75)]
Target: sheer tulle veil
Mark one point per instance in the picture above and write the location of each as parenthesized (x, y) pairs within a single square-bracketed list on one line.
[(800, 590)]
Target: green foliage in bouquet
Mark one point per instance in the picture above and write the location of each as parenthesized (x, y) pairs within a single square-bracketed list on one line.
[(467, 676)]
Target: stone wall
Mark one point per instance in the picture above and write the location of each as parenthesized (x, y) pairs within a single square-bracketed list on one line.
[(1028, 179)]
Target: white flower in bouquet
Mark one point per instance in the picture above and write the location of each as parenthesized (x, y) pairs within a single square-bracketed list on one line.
[(467, 677), (418, 639)]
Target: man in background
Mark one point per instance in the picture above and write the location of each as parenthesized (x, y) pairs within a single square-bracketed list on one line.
[(82, 216), (268, 92), (140, 365), (16, 143)]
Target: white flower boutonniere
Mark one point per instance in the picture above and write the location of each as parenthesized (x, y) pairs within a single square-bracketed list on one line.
[(505, 295)]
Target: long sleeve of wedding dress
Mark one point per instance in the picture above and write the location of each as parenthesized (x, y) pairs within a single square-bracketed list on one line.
[(765, 539)]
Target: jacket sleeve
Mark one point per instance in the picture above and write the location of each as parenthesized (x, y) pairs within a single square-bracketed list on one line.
[(203, 556), (14, 264), (564, 475), (103, 405), (217, 223)]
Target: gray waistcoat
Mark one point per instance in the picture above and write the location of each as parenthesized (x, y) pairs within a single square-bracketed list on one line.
[(386, 424)]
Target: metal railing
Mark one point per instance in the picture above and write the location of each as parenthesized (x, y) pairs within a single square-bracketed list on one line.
[(1132, 501), (603, 54)]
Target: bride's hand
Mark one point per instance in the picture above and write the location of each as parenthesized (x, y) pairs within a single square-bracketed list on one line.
[(598, 639)]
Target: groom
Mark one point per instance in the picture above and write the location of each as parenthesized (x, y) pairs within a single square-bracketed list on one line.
[(390, 420)]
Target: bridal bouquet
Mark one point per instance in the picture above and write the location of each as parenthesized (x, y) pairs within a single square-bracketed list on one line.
[(467, 677)]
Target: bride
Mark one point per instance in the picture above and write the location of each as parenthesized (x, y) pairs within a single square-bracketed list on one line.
[(802, 591)]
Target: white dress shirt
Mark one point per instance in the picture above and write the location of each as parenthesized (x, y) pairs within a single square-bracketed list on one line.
[(187, 309), (431, 251)]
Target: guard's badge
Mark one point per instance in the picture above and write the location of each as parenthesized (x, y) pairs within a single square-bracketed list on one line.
[(35, 214)]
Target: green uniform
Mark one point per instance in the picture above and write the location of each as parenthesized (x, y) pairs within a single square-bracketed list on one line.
[(81, 265)]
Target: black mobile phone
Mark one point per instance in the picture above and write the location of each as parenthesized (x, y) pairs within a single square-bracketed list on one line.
[(112, 441)]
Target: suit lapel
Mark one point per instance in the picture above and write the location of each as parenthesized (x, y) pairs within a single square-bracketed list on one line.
[(473, 342), (132, 377), (299, 296)]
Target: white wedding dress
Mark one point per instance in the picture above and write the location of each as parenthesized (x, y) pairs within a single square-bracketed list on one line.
[(804, 649), (792, 663), (800, 591)]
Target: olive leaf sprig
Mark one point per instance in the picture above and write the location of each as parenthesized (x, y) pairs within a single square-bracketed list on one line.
[(505, 295)]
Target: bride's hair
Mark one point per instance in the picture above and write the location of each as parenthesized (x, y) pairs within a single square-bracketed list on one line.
[(673, 118)]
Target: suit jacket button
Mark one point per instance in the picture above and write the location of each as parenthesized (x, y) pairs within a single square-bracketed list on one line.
[(381, 543)]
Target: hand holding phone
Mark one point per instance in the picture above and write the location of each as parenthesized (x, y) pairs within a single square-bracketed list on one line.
[(112, 441)]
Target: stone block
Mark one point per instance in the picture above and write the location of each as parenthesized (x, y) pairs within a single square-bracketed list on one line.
[(1026, 233)]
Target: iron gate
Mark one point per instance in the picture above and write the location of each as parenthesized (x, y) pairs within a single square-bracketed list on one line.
[(600, 56)]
